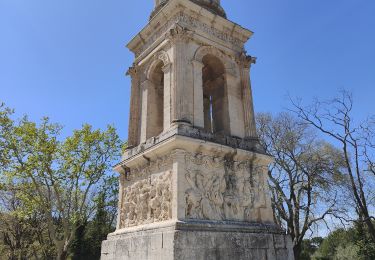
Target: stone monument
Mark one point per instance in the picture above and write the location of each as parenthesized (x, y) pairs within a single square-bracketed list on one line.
[(193, 180)]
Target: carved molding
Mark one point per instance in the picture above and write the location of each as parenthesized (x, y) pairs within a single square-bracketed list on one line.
[(183, 20), (159, 56), (145, 170), (250, 144), (230, 66), (178, 33)]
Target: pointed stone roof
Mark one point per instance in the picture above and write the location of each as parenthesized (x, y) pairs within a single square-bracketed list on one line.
[(211, 5)]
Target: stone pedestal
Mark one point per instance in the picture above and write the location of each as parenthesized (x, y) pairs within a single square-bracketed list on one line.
[(191, 195), (199, 240)]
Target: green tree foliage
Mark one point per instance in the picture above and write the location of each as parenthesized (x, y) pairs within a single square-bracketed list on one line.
[(309, 247), (23, 236), (347, 244), (339, 238), (57, 179), (88, 237)]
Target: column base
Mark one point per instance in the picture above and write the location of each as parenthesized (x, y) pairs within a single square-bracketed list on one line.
[(199, 240)]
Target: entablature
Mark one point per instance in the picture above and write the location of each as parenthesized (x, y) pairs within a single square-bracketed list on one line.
[(194, 18)]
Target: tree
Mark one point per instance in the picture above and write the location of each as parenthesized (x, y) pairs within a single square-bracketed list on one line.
[(309, 247), (304, 176), (334, 119), (352, 243), (23, 236), (59, 178), (339, 238), (5, 124), (89, 236), (16, 234)]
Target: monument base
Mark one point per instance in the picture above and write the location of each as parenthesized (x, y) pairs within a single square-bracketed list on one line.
[(199, 240)]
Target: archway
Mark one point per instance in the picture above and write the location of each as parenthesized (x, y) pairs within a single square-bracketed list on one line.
[(215, 102), (156, 101)]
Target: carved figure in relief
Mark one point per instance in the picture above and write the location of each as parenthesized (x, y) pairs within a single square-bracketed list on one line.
[(155, 204), (147, 201), (220, 193), (205, 197)]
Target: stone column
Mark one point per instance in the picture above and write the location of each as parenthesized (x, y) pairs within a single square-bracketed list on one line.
[(167, 95), (198, 105), (134, 119), (120, 201), (145, 88), (222, 107), (250, 125), (207, 114), (178, 187), (179, 37), (235, 106), (266, 212)]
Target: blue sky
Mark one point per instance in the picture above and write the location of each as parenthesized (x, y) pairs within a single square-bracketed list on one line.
[(67, 59)]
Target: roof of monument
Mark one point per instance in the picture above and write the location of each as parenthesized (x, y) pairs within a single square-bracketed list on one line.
[(211, 5)]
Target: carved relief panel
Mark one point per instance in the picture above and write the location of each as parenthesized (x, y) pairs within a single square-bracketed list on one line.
[(147, 201), (222, 189), (147, 194)]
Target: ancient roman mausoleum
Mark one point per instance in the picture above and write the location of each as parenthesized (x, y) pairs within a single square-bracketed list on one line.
[(193, 182)]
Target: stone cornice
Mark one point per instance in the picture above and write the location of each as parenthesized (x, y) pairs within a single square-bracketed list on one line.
[(193, 17), (188, 135), (203, 225)]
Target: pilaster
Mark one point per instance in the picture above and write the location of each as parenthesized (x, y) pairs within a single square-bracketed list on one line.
[(198, 94), (145, 88), (134, 121), (250, 125), (167, 70), (179, 166), (181, 98)]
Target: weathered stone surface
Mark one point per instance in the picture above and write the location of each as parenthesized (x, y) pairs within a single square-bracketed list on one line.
[(183, 241), (147, 201), (251, 144), (279, 241), (193, 182)]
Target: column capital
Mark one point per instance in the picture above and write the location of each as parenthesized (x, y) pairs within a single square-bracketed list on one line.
[(246, 60), (167, 68), (179, 34), (132, 71), (197, 64)]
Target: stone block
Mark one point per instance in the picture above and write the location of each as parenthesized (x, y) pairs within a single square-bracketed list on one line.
[(198, 241), (279, 241)]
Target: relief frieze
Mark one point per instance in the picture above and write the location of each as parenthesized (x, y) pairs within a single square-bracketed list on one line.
[(147, 201), (220, 189), (194, 24)]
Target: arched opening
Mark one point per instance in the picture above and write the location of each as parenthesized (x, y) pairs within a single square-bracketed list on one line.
[(156, 102), (215, 103)]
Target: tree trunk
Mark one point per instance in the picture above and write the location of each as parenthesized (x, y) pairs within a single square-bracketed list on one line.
[(371, 228), (63, 255), (297, 249)]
